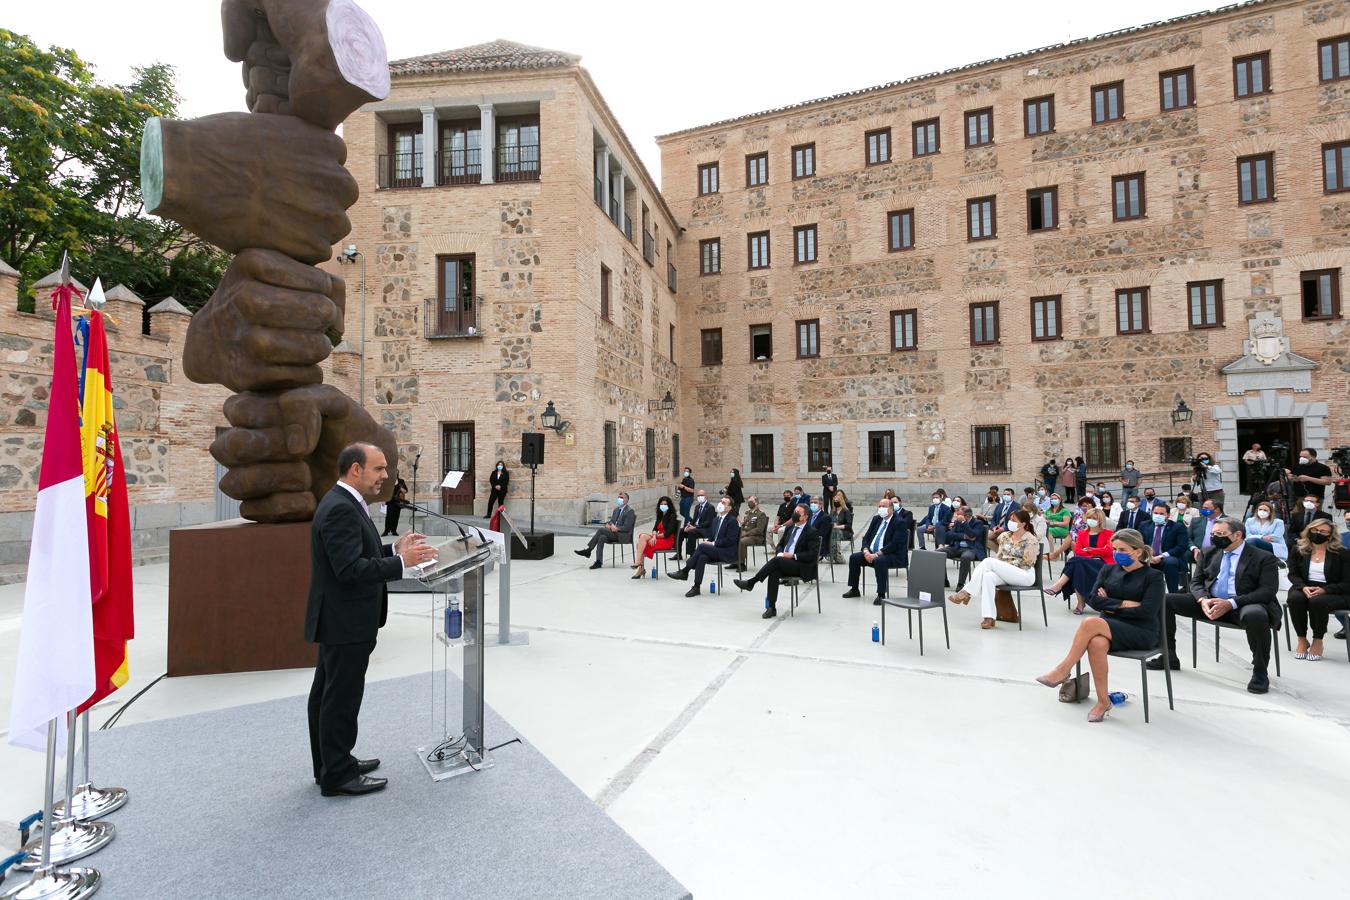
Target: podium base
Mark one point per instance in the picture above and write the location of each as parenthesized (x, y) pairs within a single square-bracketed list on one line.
[(71, 840), (56, 884), (90, 803), (514, 639), (455, 762)]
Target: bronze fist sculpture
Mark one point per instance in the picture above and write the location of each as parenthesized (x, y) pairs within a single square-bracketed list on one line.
[(270, 186)]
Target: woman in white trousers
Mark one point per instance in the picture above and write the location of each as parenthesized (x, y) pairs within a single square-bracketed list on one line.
[(1013, 564)]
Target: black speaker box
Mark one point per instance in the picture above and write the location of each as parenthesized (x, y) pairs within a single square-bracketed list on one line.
[(532, 449)]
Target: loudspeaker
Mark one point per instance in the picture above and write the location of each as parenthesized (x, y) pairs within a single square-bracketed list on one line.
[(531, 449)]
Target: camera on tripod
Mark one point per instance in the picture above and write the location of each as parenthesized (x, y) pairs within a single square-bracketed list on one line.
[(1264, 471)]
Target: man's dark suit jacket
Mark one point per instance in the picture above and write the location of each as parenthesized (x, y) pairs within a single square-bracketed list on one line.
[(1175, 541), (895, 543), (807, 551), (973, 531), (730, 536), (349, 566), (938, 514), (1257, 581), (1138, 520), (822, 525), (701, 520)]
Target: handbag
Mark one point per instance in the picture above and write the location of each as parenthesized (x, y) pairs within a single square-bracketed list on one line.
[(1004, 606), (1074, 689)]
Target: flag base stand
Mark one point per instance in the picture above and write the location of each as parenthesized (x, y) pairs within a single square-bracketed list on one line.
[(90, 802), (56, 884), (71, 839)]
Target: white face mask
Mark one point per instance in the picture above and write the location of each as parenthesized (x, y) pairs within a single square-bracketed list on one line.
[(702, 500), (1308, 504), (1132, 506), (1007, 498), (883, 511), (721, 509), (1181, 507), (937, 499), (1093, 524), (1089, 492), (1014, 524), (1263, 514), (1055, 501)]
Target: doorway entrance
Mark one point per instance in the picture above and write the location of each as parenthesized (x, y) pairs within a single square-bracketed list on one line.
[(457, 456), (1279, 438)]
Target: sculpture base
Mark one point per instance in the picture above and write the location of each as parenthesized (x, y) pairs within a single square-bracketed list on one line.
[(541, 545), (237, 595)]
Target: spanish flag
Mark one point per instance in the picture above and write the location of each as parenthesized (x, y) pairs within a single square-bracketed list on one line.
[(105, 494)]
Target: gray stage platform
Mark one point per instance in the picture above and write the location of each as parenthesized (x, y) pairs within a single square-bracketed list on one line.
[(223, 805)]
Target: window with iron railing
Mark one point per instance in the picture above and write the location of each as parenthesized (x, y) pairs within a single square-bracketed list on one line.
[(670, 276), (459, 158), (517, 150), (453, 313), (989, 450), (648, 248), (401, 167), (611, 452)]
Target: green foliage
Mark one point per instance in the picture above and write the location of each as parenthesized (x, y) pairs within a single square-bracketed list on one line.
[(70, 178)]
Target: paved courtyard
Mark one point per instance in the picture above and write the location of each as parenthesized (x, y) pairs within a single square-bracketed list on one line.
[(796, 758)]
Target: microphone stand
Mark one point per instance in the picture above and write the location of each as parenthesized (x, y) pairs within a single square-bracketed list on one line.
[(413, 524), (463, 535)]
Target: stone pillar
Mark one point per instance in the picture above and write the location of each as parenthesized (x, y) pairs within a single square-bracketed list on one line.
[(430, 144), (126, 308), (43, 289), (604, 179), (487, 139), (9, 290), (169, 318)]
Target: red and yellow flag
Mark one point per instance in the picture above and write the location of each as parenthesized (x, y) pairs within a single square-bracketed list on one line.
[(105, 493)]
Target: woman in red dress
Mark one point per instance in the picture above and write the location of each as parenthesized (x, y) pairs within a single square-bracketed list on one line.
[(662, 538)]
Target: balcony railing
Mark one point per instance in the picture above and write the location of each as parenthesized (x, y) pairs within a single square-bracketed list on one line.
[(599, 193), (400, 170), (648, 247), (518, 162), (670, 276), (628, 227), (442, 324), (459, 166)]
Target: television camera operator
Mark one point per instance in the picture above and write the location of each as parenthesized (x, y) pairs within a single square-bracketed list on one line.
[(1208, 477), (1309, 476)]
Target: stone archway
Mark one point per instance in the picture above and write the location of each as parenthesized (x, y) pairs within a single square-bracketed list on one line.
[(1264, 404)]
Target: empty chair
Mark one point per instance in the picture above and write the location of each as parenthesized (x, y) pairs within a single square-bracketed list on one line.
[(926, 575)]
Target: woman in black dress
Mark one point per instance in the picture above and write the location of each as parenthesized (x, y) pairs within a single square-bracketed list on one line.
[(1129, 594), (499, 479), (395, 508), (735, 491)]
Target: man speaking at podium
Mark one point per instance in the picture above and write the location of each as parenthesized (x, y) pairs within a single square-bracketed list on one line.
[(348, 604)]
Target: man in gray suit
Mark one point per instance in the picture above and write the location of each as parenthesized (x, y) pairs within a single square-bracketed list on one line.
[(619, 529)]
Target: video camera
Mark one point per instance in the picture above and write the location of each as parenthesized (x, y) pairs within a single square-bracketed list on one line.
[(1340, 458), (1269, 469)]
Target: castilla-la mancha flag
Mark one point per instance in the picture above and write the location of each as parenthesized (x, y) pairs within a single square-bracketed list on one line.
[(56, 638), (105, 495)]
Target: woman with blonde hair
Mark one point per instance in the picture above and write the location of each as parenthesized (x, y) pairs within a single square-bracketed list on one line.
[(1264, 526), (1319, 578), (1014, 563), (1129, 594)]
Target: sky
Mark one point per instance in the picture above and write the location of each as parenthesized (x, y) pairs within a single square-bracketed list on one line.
[(661, 68)]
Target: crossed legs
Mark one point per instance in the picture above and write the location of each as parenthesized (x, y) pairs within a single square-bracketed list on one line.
[(1094, 639)]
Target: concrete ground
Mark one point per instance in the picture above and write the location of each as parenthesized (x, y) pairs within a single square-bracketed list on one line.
[(796, 758)]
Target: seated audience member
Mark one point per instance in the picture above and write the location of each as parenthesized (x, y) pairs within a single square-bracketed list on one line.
[(818, 517), (784, 514), (1278, 504), (888, 494), (1129, 595), (1183, 510), (800, 497), (723, 536), (885, 546), (1058, 518), (1108, 506), (1263, 526), (1015, 563), (1039, 525), (991, 502), (1090, 492), (998, 520), (754, 526), (937, 517), (795, 557), (661, 537), (1150, 498), (1028, 495), (1306, 511), (1319, 578), (1076, 524), (1042, 499), (1238, 584), (904, 517), (1169, 546), (618, 530), (841, 524), (1133, 515), (1202, 526), (1091, 551), (700, 517), (1191, 495), (966, 537)]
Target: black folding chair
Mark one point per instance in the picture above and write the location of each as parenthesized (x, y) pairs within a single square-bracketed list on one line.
[(1036, 586), (1144, 656), (793, 583), (927, 574)]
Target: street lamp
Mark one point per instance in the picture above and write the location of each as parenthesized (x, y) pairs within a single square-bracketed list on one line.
[(665, 404), (348, 257), (1182, 414), (551, 418)]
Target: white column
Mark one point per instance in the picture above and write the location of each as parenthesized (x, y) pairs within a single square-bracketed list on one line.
[(618, 194), (487, 139), (429, 146), (604, 179)]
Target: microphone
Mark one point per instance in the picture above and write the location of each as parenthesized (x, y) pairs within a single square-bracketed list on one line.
[(463, 535)]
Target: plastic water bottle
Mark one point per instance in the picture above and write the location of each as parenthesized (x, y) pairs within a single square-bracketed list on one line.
[(766, 602), (1118, 698), (876, 633), (712, 586), (454, 621), (653, 573)]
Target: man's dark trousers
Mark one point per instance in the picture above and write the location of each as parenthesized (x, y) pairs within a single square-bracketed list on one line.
[(335, 701), (1253, 618), (882, 564)]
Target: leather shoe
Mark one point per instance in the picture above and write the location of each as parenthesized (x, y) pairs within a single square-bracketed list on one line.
[(595, 565), (1340, 635), (582, 553), (692, 592), (769, 613), (743, 583), (366, 766), (1259, 684), (877, 602), (1156, 664), (851, 593), (679, 574), (361, 784)]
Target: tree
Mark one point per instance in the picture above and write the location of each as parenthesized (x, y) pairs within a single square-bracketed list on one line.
[(70, 177)]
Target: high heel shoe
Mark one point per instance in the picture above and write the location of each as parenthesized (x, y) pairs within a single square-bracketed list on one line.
[(640, 573), (1041, 679), (960, 597), (1099, 716)]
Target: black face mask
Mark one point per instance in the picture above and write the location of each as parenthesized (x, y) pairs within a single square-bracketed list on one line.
[(1222, 541), (800, 521), (1319, 537)]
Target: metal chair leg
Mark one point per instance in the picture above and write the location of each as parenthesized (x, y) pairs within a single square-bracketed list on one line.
[(909, 617), (1045, 617), (1019, 610), (1195, 630), (1167, 673), (1217, 629), (921, 632), (1288, 645), (1275, 642), (945, 633), (818, 609), (1143, 667)]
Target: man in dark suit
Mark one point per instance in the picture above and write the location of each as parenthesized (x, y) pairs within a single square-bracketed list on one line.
[(1171, 547), (1301, 516), (966, 537), (1238, 584), (618, 530), (796, 557), (829, 483), (818, 520), (885, 546), (724, 536), (939, 515), (1134, 515), (699, 518), (998, 521), (348, 603), (1202, 526)]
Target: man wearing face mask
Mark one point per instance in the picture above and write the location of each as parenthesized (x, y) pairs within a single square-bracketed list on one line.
[(1133, 516), (1202, 527), (699, 518), (818, 520), (935, 521), (724, 534), (1212, 485), (686, 492), (829, 484), (1129, 481), (753, 527), (796, 557), (1166, 537), (1310, 477), (1150, 498), (998, 519), (885, 546), (966, 538), (1238, 584), (618, 530), (1304, 512)]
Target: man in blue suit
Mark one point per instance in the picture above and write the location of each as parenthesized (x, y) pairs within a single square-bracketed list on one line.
[(939, 515), (695, 524), (818, 520), (1135, 516), (965, 541), (885, 546), (723, 537), (1169, 542), (998, 521)]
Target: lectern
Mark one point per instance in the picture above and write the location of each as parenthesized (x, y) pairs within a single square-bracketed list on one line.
[(458, 573)]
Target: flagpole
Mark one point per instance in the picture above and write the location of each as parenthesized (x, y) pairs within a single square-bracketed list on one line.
[(65, 838), (91, 802), (49, 882)]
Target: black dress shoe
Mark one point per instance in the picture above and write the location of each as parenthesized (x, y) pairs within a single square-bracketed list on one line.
[(1340, 635), (582, 553), (361, 784), (692, 592), (743, 584), (366, 766), (851, 593), (1156, 664), (1259, 684), (769, 613), (679, 574), (877, 602), (595, 565)]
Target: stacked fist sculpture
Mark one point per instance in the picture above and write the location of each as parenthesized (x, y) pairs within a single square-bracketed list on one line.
[(269, 186)]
